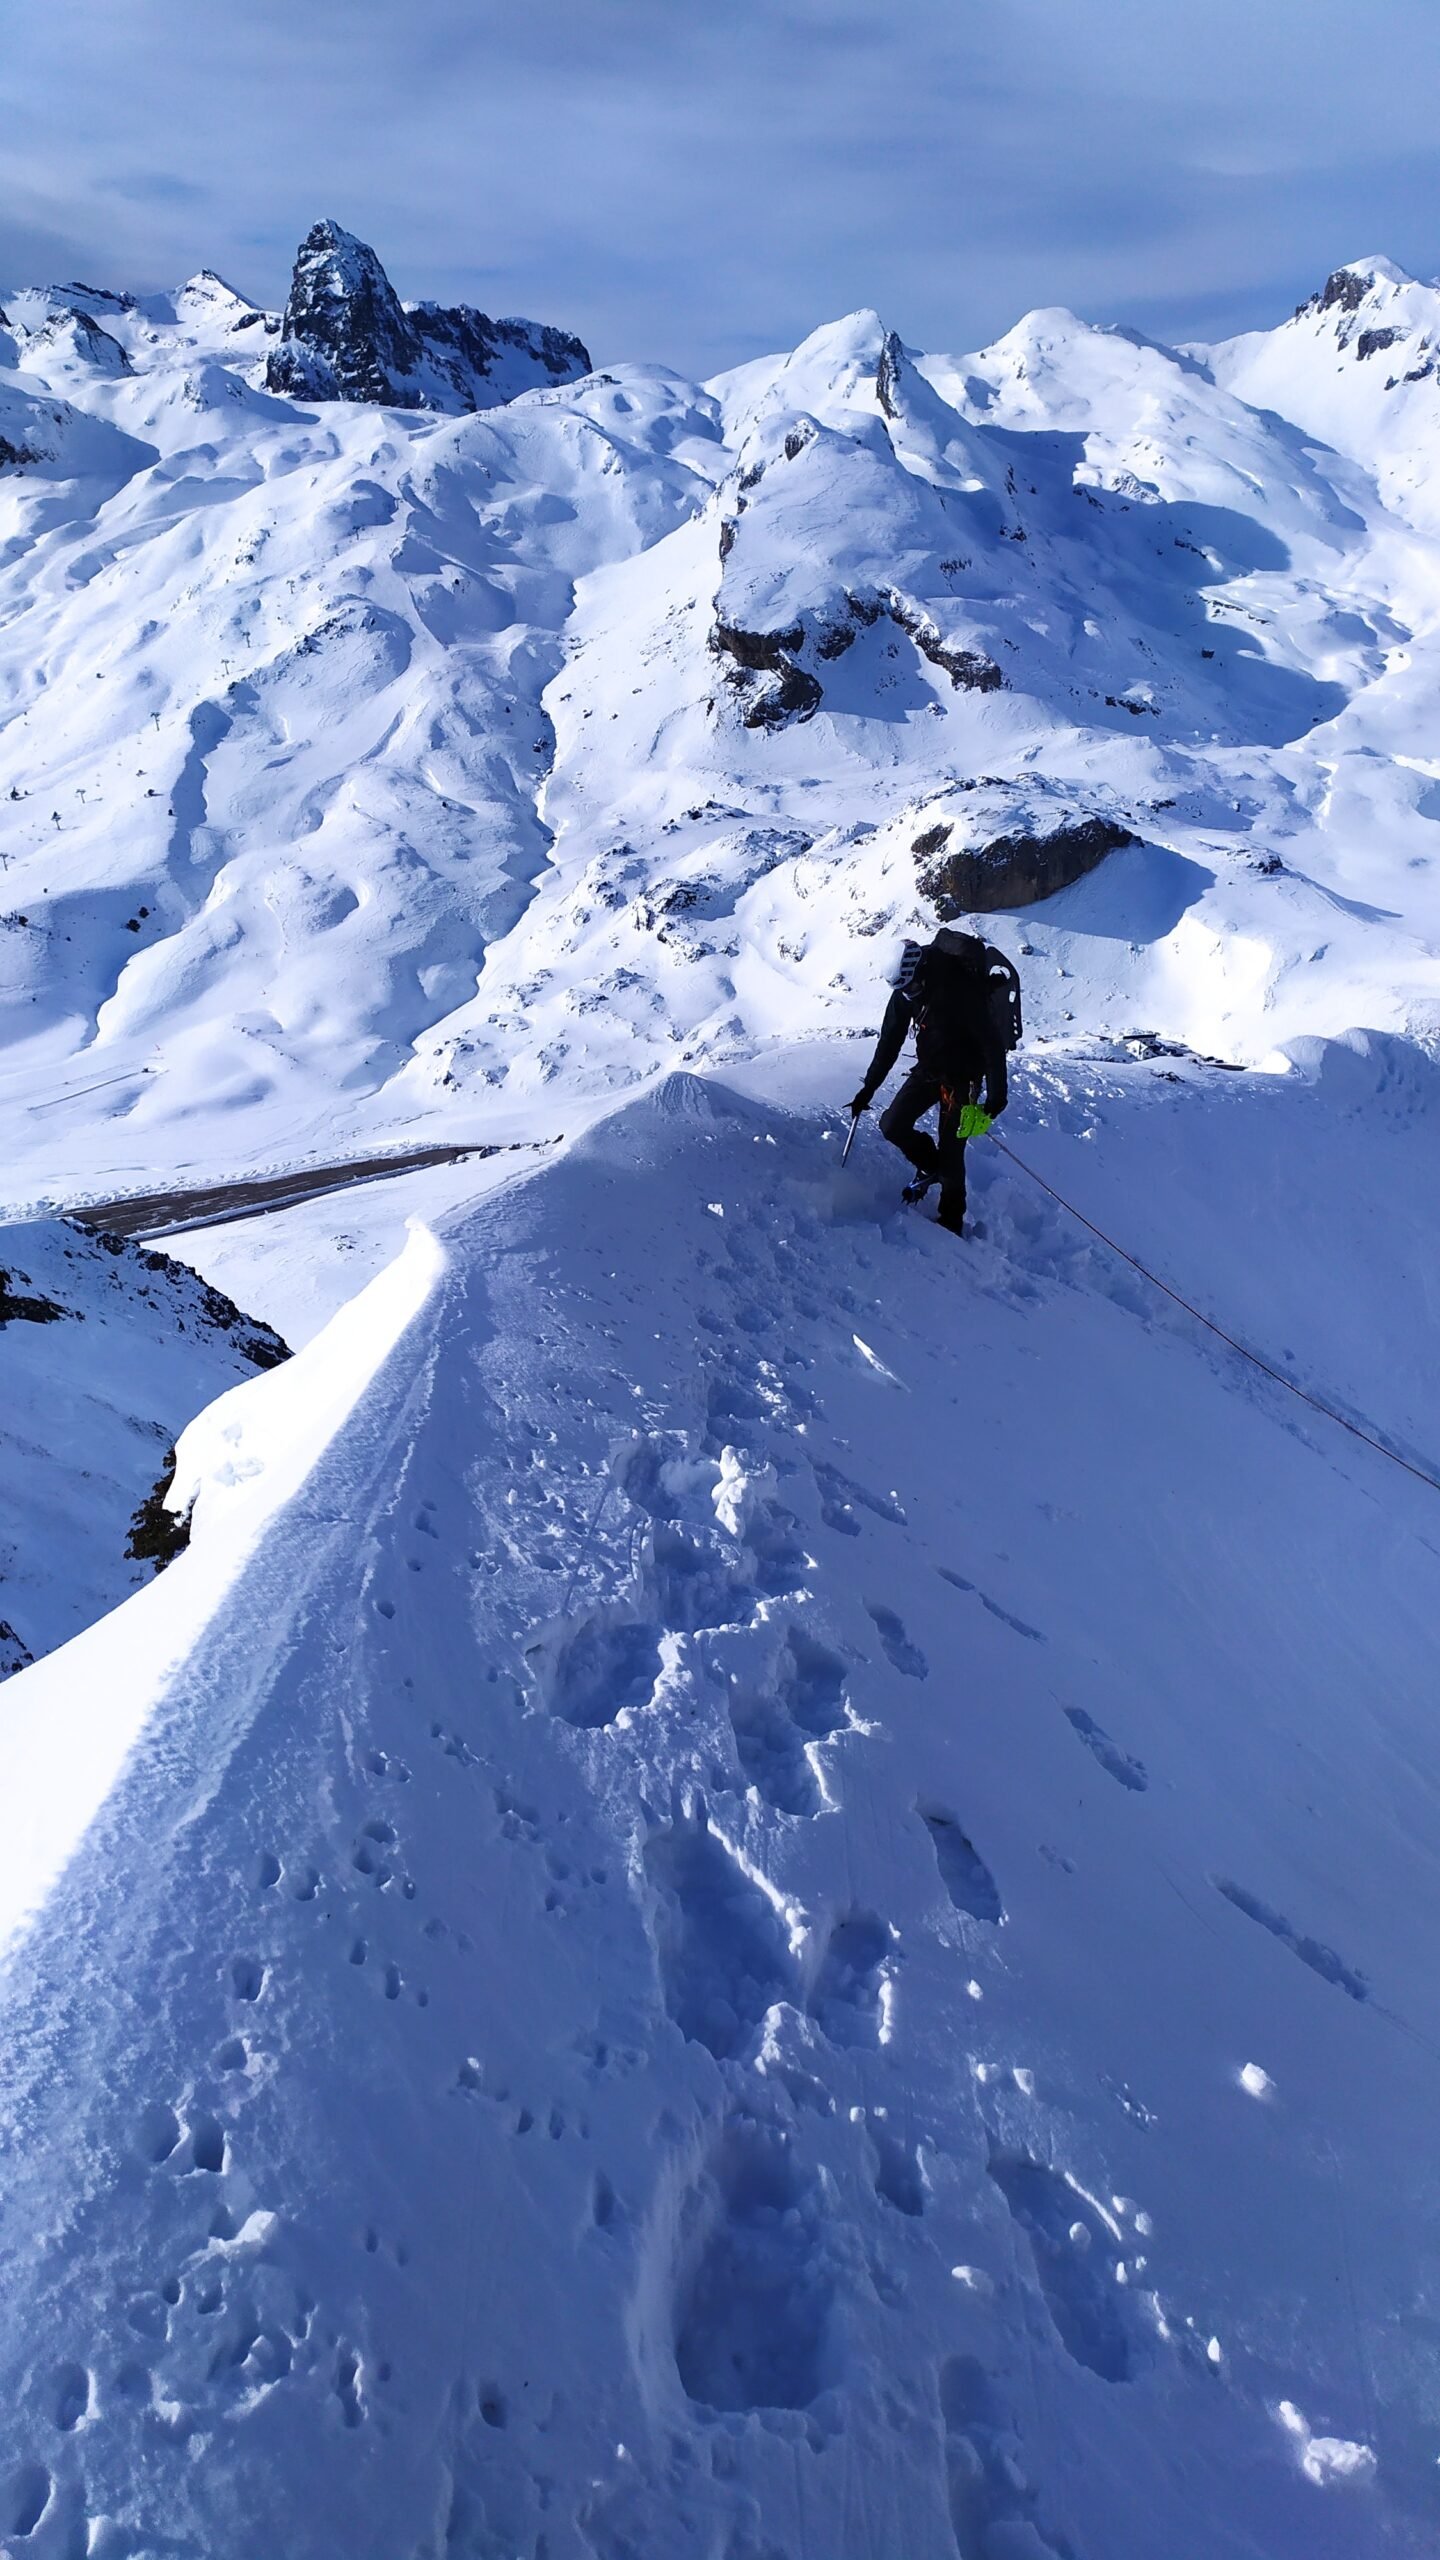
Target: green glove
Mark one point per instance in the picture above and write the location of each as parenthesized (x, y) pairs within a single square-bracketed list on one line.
[(974, 1122)]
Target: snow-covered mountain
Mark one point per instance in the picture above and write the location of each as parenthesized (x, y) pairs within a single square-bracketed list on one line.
[(765, 1886), (365, 765)]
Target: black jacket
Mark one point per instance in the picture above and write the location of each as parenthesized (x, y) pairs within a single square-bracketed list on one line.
[(980, 1060)]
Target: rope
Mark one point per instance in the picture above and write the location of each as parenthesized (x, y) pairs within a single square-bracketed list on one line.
[(1316, 1404)]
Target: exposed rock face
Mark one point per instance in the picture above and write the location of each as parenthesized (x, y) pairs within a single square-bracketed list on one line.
[(887, 374), (785, 691), (969, 670), (998, 843), (475, 346), (1344, 290), (777, 689), (347, 336), (1014, 870)]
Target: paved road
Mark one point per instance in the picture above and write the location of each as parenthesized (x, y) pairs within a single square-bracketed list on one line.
[(159, 1213)]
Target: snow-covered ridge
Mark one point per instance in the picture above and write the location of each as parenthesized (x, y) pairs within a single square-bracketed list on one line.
[(785, 1908)]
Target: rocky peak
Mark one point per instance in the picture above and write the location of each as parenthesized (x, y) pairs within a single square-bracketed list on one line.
[(47, 325), (206, 297), (346, 335), (1369, 285)]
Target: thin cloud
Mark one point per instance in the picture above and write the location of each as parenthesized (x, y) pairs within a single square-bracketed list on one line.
[(695, 183)]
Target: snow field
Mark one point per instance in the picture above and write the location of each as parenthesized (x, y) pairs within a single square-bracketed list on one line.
[(694, 1926)]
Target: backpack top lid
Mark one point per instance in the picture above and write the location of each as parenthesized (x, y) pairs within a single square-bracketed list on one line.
[(968, 947)]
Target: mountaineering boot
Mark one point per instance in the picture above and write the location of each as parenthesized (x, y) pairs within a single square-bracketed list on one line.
[(953, 1220)]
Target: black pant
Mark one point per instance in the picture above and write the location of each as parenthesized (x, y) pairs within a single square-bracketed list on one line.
[(942, 1156)]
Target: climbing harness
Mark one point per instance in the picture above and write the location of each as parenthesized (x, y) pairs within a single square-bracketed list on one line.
[(1316, 1403)]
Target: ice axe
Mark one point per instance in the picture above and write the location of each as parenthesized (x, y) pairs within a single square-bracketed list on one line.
[(855, 1119)]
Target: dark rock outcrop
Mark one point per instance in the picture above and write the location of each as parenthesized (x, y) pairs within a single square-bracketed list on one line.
[(346, 335), (887, 375), (157, 1534), (969, 670), (17, 1308), (784, 691), (1345, 290), (472, 346), (1013, 870)]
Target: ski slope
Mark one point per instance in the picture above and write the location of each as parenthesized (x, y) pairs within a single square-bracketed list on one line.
[(786, 1905)]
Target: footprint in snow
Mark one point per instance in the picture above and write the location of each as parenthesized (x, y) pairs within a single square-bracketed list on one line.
[(904, 1655), (1017, 1626), (963, 1872), (805, 1702), (848, 2002), (754, 2326), (1311, 1951), (1117, 1764), (899, 2178), (1078, 2251), (608, 1665), (991, 2503), (724, 1958), (841, 1496)]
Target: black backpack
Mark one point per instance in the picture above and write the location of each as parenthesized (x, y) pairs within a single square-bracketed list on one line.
[(963, 992)]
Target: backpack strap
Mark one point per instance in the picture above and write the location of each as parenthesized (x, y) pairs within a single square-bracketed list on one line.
[(999, 967)]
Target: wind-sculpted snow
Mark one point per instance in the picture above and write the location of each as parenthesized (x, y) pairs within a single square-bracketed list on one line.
[(636, 2013), (363, 765)]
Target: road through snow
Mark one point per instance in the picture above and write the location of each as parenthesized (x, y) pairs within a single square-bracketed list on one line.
[(790, 1912)]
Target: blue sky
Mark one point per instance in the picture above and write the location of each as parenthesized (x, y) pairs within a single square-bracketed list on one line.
[(703, 183)]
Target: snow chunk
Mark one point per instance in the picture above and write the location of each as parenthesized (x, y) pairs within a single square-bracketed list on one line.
[(739, 1490), (1325, 2459)]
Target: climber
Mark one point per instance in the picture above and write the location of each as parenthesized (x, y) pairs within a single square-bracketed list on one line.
[(963, 999)]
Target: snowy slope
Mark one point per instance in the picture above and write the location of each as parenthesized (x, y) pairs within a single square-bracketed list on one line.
[(1359, 364), (272, 738), (106, 1351), (370, 768), (1209, 654), (764, 1887), (836, 1971)]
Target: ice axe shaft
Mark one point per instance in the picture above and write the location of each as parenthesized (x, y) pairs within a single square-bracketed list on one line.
[(855, 1119)]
